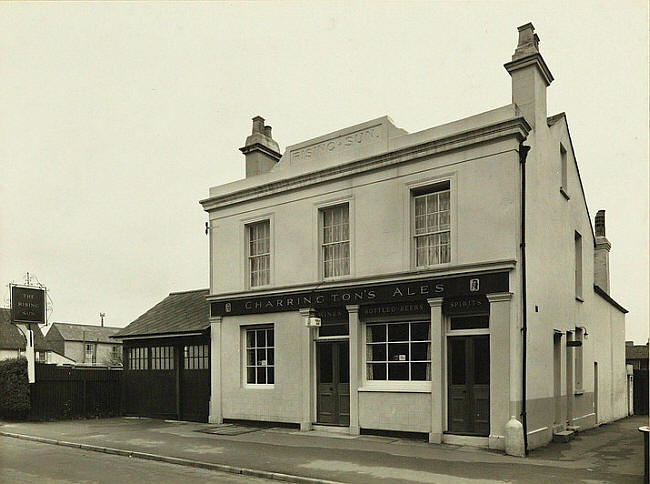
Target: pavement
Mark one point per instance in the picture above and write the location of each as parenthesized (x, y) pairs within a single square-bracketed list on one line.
[(610, 453)]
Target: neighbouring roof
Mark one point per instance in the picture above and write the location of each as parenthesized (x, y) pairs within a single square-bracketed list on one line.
[(86, 332), (11, 338), (180, 312), (636, 352)]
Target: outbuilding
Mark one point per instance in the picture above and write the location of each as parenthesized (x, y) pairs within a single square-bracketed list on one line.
[(167, 359)]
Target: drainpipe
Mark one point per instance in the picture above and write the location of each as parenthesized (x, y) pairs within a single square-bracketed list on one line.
[(523, 153)]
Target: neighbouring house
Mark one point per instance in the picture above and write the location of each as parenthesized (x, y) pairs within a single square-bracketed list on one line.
[(85, 344), (12, 340), (636, 355), (167, 359)]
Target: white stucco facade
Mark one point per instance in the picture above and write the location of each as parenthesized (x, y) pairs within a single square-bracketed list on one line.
[(376, 171)]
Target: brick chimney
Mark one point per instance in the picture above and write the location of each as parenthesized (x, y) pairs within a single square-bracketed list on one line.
[(601, 254), (530, 77), (260, 150)]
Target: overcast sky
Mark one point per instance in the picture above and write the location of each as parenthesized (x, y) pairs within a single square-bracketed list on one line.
[(115, 119)]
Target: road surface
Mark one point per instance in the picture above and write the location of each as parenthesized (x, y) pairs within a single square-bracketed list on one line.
[(26, 462)]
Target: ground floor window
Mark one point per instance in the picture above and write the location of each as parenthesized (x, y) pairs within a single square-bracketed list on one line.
[(162, 358), (138, 358), (260, 360), (398, 351), (196, 357)]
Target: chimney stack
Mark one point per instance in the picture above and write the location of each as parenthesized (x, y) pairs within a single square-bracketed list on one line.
[(530, 77), (261, 150), (601, 253)]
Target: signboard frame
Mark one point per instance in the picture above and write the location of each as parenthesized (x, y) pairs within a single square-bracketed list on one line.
[(42, 295)]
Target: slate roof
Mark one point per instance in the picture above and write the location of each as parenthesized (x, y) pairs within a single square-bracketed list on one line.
[(180, 312), (636, 352), (11, 338), (86, 332)]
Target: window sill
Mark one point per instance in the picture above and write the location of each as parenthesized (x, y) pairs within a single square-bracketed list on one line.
[(564, 193), (336, 278), (579, 298), (424, 387), (261, 386), (579, 392)]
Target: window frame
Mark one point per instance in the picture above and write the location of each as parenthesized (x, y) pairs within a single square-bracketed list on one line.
[(247, 252), (244, 355), (162, 358), (322, 244), (416, 189), (415, 386), (578, 266), (196, 356), (138, 354), (90, 349)]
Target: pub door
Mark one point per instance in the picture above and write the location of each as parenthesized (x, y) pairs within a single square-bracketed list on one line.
[(333, 383), (468, 384)]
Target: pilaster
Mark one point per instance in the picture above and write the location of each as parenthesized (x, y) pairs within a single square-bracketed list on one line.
[(216, 416), (505, 376), (355, 369), (437, 372), (307, 344)]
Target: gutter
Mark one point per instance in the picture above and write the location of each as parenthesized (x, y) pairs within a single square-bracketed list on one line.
[(523, 154)]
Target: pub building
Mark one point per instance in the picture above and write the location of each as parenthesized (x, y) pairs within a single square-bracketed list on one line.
[(446, 282)]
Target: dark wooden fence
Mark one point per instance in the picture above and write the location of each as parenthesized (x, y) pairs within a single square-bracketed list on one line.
[(62, 392), (640, 392)]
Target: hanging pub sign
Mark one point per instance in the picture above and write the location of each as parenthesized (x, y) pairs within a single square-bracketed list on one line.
[(380, 293), (27, 304)]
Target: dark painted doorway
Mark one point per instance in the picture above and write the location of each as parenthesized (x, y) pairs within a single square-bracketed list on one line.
[(333, 382), (468, 362)]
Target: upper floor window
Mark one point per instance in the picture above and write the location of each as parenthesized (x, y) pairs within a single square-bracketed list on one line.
[(90, 355), (578, 265), (432, 225), (259, 253), (335, 249)]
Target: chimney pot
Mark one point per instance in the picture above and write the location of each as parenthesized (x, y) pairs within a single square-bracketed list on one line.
[(267, 131), (258, 125), (600, 223)]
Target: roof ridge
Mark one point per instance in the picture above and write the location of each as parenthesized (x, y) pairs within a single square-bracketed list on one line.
[(189, 291), (86, 325)]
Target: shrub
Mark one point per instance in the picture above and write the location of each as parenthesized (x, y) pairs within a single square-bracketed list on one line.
[(14, 389)]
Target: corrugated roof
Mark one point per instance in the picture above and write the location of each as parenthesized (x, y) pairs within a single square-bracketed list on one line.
[(11, 338), (180, 312), (86, 332), (636, 352)]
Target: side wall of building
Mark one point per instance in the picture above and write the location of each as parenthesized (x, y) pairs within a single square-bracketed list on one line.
[(562, 306)]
